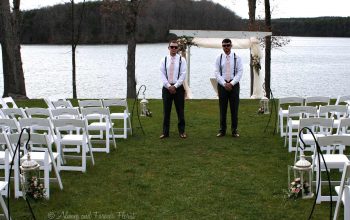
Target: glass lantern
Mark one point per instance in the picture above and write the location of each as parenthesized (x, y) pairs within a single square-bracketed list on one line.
[(300, 179), (264, 105), (30, 179), (143, 106)]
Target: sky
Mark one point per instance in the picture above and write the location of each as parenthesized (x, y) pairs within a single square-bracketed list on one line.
[(280, 8)]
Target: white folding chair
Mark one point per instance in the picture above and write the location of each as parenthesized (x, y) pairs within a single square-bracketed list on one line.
[(6, 155), (41, 152), (319, 126), (14, 113), (334, 161), (282, 113), (317, 100), (9, 125), (344, 127), (3, 186), (38, 112), (124, 115), (333, 111), (9, 102), (62, 103), (343, 99), (65, 138), (295, 113), (104, 125), (344, 191)]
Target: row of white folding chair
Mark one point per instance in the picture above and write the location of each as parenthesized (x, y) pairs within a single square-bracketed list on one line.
[(101, 113), (43, 155), (295, 113), (297, 101), (108, 103), (81, 141)]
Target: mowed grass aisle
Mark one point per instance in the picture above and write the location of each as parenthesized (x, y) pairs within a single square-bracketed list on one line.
[(201, 177)]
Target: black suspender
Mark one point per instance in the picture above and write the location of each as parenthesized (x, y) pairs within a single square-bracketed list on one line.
[(234, 65), (166, 72)]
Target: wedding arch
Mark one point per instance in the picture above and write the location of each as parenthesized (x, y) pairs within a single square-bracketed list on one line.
[(213, 39)]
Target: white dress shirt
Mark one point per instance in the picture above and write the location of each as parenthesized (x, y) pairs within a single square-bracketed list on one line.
[(239, 69), (178, 81)]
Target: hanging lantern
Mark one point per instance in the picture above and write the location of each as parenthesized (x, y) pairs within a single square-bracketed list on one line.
[(302, 179), (143, 106), (264, 106), (30, 179)]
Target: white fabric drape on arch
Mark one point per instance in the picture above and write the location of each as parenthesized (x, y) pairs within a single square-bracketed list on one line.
[(251, 43)]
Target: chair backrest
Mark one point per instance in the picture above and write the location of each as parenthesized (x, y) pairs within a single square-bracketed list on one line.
[(69, 124), (34, 138), (9, 125), (317, 100), (9, 102), (95, 110), (291, 100), (115, 102), (70, 112), (302, 111), (321, 125), (334, 140), (333, 110), (344, 98), (344, 126), (344, 181), (38, 113), (90, 103), (62, 104), (14, 113), (37, 124)]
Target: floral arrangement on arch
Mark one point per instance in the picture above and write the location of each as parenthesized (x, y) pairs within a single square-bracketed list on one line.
[(34, 188), (256, 63), (184, 42)]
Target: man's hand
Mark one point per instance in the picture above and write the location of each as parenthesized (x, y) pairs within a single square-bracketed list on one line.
[(228, 86), (172, 89)]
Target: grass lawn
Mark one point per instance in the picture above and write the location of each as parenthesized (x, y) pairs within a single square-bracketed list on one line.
[(201, 177)]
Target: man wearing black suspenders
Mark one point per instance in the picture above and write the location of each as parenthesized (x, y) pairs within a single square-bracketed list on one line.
[(228, 73), (173, 73)]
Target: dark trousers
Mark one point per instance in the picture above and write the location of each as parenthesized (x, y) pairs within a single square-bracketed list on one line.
[(226, 97), (179, 100)]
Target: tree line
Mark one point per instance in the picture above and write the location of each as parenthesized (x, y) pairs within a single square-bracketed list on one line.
[(50, 25)]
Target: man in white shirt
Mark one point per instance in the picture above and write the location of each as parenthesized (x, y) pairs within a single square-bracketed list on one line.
[(228, 73), (173, 73)]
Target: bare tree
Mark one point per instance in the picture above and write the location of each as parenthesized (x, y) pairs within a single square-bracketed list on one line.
[(75, 41), (14, 84), (251, 27), (130, 10), (268, 49)]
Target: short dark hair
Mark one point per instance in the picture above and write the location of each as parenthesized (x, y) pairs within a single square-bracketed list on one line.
[(227, 41), (174, 42)]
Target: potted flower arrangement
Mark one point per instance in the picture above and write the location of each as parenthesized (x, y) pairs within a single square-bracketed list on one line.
[(296, 189), (34, 188)]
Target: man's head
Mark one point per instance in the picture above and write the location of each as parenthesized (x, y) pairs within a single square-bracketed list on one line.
[(226, 45), (173, 47)]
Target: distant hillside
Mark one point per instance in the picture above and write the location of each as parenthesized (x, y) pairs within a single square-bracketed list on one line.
[(52, 25), (315, 27)]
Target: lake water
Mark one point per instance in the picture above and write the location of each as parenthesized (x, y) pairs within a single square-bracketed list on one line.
[(305, 67)]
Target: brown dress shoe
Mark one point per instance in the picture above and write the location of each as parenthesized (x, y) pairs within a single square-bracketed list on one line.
[(183, 135), (220, 134), (163, 136)]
